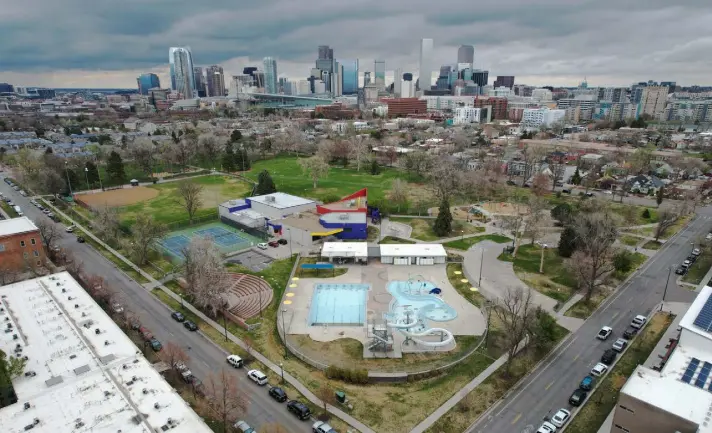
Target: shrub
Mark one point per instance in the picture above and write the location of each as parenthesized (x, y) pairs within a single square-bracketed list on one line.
[(646, 214), (623, 261)]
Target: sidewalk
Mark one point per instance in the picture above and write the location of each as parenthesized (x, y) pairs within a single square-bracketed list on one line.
[(272, 366), (678, 308)]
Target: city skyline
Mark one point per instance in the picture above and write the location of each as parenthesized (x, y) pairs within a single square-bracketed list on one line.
[(509, 40)]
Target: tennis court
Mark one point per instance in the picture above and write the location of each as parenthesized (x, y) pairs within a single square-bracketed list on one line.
[(227, 239)]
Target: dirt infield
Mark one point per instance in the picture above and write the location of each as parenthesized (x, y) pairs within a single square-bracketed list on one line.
[(504, 208), (119, 197)]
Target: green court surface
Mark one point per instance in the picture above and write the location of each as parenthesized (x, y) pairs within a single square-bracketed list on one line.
[(226, 238)]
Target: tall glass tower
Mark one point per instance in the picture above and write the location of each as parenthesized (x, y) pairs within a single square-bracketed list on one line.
[(182, 78), (379, 72), (350, 78), (425, 69), (270, 66), (147, 81)]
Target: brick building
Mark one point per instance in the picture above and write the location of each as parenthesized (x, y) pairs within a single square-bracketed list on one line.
[(498, 104), (399, 107), (20, 245)]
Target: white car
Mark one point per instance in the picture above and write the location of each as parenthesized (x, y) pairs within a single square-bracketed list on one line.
[(708, 237), (118, 309), (561, 417), (599, 369), (638, 321), (69, 229), (243, 427), (547, 427), (604, 333), (322, 427), (262, 246), (620, 345), (258, 377), (696, 252)]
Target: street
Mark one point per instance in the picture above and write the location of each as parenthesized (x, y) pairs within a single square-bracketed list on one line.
[(548, 387), (205, 356)]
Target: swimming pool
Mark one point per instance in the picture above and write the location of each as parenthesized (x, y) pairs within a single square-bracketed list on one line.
[(338, 304), (413, 298)]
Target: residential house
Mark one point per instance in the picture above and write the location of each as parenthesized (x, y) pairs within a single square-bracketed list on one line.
[(20, 245), (643, 184)]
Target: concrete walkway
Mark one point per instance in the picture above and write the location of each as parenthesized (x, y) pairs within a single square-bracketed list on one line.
[(678, 308), (269, 364)]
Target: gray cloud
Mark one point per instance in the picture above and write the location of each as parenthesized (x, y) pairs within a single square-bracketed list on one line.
[(551, 41)]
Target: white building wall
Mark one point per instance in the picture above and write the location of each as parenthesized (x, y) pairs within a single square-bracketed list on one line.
[(448, 102), (465, 115), (541, 95)]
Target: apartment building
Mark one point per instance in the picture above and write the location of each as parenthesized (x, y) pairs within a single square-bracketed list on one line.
[(20, 245), (652, 101)]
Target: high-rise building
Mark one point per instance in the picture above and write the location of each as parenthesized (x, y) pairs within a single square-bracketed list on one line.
[(146, 82), (614, 94), (259, 79), (466, 54), (181, 70), (337, 82), (397, 82), (425, 71), (216, 81), (480, 77), (379, 72), (270, 66), (504, 81), (6, 88), (200, 87), (652, 101), (325, 52), (349, 79), (366, 78)]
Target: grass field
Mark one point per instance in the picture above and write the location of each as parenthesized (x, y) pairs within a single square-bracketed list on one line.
[(395, 240), (166, 209), (340, 182), (465, 244), (423, 228), (9, 210), (700, 268), (652, 245), (629, 240), (557, 282), (600, 403)]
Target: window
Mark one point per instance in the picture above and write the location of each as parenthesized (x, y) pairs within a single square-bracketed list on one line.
[(25, 255), (22, 243), (32, 241), (2, 247), (626, 409), (35, 253), (623, 429)]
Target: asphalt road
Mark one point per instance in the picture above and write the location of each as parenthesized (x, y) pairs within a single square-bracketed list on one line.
[(548, 388), (205, 356)]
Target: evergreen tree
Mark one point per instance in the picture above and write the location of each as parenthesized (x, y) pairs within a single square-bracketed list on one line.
[(236, 135), (92, 173), (48, 150), (228, 160), (443, 222), (646, 214), (115, 169), (375, 168), (265, 184), (659, 196), (576, 178), (567, 243)]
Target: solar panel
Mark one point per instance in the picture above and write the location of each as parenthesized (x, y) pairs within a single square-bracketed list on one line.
[(691, 368), (704, 319), (704, 374)]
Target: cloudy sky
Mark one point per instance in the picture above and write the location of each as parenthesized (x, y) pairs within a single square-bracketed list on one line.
[(107, 43)]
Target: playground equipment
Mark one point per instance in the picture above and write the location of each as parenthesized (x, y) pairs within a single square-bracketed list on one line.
[(381, 338)]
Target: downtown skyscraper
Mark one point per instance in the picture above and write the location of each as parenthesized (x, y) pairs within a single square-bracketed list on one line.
[(215, 80), (379, 72), (425, 68), (270, 67), (146, 82), (350, 76), (181, 70), (466, 56)]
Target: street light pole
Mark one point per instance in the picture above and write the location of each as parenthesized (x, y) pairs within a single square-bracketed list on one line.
[(284, 335), (666, 286), (86, 176), (225, 323), (281, 369), (98, 173), (482, 260), (69, 184)]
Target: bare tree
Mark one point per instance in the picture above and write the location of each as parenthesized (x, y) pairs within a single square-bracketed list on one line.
[(531, 157), (666, 219), (143, 151), (224, 398), (173, 355), (595, 234), (515, 311), (182, 151), (325, 393), (398, 193), (537, 215), (49, 232), (144, 233), (445, 179), (204, 271), (190, 197), (106, 223), (359, 149), (540, 184), (417, 163), (210, 146), (316, 167)]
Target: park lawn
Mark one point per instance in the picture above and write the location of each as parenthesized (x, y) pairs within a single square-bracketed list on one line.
[(166, 209), (670, 232), (465, 244), (630, 240), (633, 215), (423, 228), (699, 269), (395, 240), (8, 209), (652, 245), (557, 282), (463, 288), (603, 399)]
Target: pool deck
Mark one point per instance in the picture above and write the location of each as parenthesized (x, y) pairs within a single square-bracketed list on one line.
[(469, 321)]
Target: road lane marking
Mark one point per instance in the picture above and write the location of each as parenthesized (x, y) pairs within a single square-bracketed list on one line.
[(549, 385), (516, 418), (615, 315), (577, 357)]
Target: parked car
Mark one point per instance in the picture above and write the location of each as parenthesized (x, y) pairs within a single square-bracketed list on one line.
[(155, 345), (577, 397), (135, 325), (278, 394), (599, 369), (696, 252), (604, 333), (258, 377), (145, 333), (681, 270), (282, 241), (561, 417), (629, 333), (81, 239), (620, 345), (117, 308), (691, 259), (177, 316), (708, 237), (243, 427), (300, 410), (23, 193), (262, 246), (273, 244), (322, 427), (590, 194), (546, 427), (190, 326), (187, 376), (46, 211), (608, 356), (587, 383), (235, 361), (638, 321), (70, 229)]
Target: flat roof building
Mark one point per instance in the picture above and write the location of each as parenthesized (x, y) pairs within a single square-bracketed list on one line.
[(20, 245), (83, 374), (413, 254)]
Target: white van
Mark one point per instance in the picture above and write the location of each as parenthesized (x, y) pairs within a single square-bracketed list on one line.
[(18, 210), (235, 361)]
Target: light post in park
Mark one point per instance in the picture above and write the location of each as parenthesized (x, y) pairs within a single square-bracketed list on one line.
[(69, 183)]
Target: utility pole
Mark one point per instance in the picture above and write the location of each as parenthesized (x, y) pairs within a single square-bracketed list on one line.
[(666, 286)]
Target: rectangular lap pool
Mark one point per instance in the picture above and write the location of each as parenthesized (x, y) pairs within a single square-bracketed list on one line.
[(338, 304)]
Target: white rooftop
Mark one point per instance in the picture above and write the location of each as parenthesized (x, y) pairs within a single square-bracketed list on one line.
[(344, 249), (281, 200), (15, 226), (413, 250), (90, 377), (666, 389)]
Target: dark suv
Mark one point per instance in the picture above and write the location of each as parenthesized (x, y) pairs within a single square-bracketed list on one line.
[(608, 357), (278, 394), (299, 409)]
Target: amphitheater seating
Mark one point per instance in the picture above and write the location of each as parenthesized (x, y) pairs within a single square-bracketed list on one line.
[(249, 291)]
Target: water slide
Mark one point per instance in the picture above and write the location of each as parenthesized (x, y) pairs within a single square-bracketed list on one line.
[(404, 327)]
